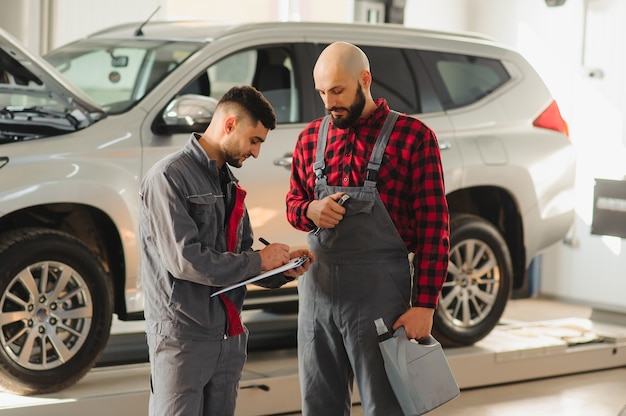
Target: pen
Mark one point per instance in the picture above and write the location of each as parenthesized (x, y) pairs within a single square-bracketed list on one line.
[(264, 241)]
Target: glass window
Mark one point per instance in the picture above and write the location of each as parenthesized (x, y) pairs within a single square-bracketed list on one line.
[(392, 78), (269, 69), (233, 70), (464, 79), (117, 75)]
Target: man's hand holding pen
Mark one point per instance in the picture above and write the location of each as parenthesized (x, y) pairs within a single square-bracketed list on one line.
[(276, 254)]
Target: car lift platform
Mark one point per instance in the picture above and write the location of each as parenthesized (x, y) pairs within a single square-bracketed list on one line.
[(514, 351)]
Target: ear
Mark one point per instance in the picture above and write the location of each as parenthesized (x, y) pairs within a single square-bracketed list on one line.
[(229, 124), (365, 78)]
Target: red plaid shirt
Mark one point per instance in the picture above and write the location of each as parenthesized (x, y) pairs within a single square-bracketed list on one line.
[(410, 183)]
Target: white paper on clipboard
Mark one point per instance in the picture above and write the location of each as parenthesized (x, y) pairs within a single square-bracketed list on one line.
[(292, 264)]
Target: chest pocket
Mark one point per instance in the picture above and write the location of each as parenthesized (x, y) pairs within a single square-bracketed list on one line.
[(204, 209), (361, 201), (358, 206)]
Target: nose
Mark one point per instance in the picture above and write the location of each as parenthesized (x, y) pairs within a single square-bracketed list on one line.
[(329, 102), (255, 150)]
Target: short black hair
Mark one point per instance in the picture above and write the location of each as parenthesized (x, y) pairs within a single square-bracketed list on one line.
[(253, 103)]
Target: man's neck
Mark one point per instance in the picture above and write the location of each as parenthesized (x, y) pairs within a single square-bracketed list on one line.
[(370, 107)]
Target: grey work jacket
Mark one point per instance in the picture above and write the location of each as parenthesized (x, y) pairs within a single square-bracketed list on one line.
[(184, 249)]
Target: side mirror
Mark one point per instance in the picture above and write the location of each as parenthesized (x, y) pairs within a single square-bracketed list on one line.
[(187, 113)]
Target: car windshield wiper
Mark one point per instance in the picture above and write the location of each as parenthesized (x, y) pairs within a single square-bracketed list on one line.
[(12, 112)]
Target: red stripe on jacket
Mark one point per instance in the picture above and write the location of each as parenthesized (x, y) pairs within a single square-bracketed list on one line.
[(235, 327)]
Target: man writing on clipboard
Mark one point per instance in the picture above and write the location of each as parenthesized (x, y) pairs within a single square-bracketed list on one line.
[(196, 239)]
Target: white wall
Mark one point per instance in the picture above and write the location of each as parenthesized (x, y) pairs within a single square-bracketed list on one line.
[(564, 44), (72, 22), (559, 45), (595, 270), (24, 20), (262, 10), (438, 15)]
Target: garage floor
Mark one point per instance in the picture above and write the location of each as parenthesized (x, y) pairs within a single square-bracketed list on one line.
[(124, 389), (598, 393)]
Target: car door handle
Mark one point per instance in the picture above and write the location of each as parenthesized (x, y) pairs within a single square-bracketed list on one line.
[(444, 145), (284, 161)]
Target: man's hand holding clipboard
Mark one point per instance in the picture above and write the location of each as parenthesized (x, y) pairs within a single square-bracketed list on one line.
[(270, 259), (297, 262)]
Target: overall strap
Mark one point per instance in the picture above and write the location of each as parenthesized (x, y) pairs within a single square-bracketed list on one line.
[(320, 163), (373, 166)]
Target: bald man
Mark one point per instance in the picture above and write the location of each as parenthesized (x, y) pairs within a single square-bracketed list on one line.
[(390, 167)]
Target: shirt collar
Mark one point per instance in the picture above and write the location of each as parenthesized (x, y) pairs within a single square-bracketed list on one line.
[(200, 156)]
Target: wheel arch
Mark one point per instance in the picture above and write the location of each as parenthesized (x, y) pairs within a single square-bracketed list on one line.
[(497, 206), (90, 225)]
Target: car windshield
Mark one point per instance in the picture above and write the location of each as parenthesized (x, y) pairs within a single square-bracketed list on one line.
[(118, 73), (29, 109)]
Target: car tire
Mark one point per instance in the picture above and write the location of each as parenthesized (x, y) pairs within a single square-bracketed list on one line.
[(478, 285), (53, 292)]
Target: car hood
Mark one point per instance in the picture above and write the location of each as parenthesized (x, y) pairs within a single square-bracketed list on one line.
[(23, 72)]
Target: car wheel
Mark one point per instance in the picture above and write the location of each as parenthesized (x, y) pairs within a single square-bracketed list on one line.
[(478, 285), (56, 309)]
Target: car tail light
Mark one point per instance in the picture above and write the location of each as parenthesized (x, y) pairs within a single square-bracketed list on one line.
[(551, 119)]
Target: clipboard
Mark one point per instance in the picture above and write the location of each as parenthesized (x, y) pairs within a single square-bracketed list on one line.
[(292, 264)]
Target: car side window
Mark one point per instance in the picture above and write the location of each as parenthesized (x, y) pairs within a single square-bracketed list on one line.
[(269, 69), (392, 78), (463, 79), (236, 69)]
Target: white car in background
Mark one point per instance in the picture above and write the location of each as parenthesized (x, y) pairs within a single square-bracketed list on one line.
[(72, 155)]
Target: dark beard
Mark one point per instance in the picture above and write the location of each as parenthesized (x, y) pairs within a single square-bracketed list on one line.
[(234, 162), (232, 156), (354, 112)]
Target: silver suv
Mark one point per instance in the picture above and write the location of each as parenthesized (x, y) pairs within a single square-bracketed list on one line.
[(72, 155)]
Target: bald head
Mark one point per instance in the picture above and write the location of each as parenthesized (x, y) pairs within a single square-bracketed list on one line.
[(343, 79), (342, 57)]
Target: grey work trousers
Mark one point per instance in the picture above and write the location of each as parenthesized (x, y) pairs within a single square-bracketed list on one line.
[(337, 338), (189, 377)]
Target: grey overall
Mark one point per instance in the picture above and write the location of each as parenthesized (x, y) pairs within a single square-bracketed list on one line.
[(361, 273)]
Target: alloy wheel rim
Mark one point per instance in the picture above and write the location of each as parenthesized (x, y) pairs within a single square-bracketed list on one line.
[(470, 292), (45, 315)]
